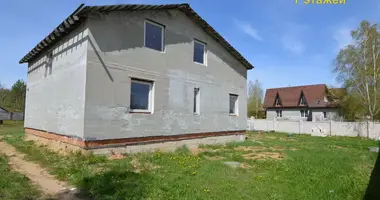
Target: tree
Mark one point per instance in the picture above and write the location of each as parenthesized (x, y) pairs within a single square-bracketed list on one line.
[(5, 100), (17, 96), (357, 67), (255, 98)]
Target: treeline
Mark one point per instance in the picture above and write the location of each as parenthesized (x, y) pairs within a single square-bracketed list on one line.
[(13, 99)]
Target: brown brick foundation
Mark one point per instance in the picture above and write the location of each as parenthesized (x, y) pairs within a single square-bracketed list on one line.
[(128, 145)]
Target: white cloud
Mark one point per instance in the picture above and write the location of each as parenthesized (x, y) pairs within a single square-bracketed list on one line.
[(292, 44), (248, 29), (342, 37), (291, 39)]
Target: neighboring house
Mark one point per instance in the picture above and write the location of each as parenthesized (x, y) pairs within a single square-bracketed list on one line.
[(126, 75), (308, 102), (4, 114)]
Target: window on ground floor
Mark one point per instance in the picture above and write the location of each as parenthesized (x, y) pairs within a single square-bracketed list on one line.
[(279, 113), (304, 113), (233, 104), (141, 96)]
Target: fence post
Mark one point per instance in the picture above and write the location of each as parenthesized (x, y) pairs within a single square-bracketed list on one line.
[(330, 127)]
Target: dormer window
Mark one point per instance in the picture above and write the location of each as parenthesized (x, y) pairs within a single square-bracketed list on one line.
[(302, 100), (277, 102)]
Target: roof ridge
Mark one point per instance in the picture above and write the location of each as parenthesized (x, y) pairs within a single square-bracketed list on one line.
[(300, 86)]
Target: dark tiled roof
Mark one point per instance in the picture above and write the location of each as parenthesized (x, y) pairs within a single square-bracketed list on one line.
[(290, 96), (80, 14), (3, 109)]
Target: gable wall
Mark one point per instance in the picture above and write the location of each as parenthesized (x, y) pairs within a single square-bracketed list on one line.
[(55, 103), (116, 53)]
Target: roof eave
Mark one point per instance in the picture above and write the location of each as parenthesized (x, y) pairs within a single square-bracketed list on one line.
[(72, 20)]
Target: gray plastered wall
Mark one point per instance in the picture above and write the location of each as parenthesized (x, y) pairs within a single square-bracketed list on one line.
[(116, 53), (55, 102), (88, 93)]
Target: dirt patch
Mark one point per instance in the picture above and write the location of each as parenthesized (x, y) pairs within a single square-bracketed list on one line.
[(263, 156), (339, 147), (140, 167), (287, 139), (280, 148), (49, 185), (293, 149), (250, 148), (214, 157), (245, 166), (116, 156), (197, 151)]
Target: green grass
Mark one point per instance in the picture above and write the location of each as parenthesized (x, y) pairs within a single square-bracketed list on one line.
[(308, 168), (14, 185)]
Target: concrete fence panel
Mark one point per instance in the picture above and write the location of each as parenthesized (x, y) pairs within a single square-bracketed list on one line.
[(351, 129)]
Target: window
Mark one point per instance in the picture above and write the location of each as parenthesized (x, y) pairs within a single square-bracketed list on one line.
[(196, 108), (302, 100), (304, 113), (154, 36), (199, 52), (233, 104), (277, 102), (325, 115), (141, 96), (279, 113)]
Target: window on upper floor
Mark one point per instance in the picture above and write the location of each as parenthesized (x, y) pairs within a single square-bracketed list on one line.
[(233, 104), (154, 36), (277, 101), (302, 99), (199, 52), (141, 99), (325, 115)]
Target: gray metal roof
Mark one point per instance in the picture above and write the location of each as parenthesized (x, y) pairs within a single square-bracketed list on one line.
[(80, 14)]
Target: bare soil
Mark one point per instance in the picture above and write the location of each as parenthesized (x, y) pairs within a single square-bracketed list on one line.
[(263, 156), (49, 185)]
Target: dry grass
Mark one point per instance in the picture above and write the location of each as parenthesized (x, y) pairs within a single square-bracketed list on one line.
[(263, 156)]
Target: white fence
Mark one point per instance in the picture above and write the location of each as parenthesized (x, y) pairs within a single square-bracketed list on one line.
[(353, 129)]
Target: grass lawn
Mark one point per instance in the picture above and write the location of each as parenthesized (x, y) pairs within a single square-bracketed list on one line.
[(273, 166), (12, 184)]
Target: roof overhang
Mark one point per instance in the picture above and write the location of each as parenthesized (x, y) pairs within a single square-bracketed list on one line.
[(80, 14)]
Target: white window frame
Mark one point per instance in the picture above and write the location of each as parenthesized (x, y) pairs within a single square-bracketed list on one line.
[(197, 103), (162, 35), (204, 52), (277, 101), (302, 100), (150, 96), (236, 111), (305, 113)]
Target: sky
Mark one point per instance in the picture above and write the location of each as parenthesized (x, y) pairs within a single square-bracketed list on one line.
[(289, 44)]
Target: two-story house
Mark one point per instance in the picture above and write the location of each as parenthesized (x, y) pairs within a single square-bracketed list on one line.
[(307, 102), (134, 77)]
